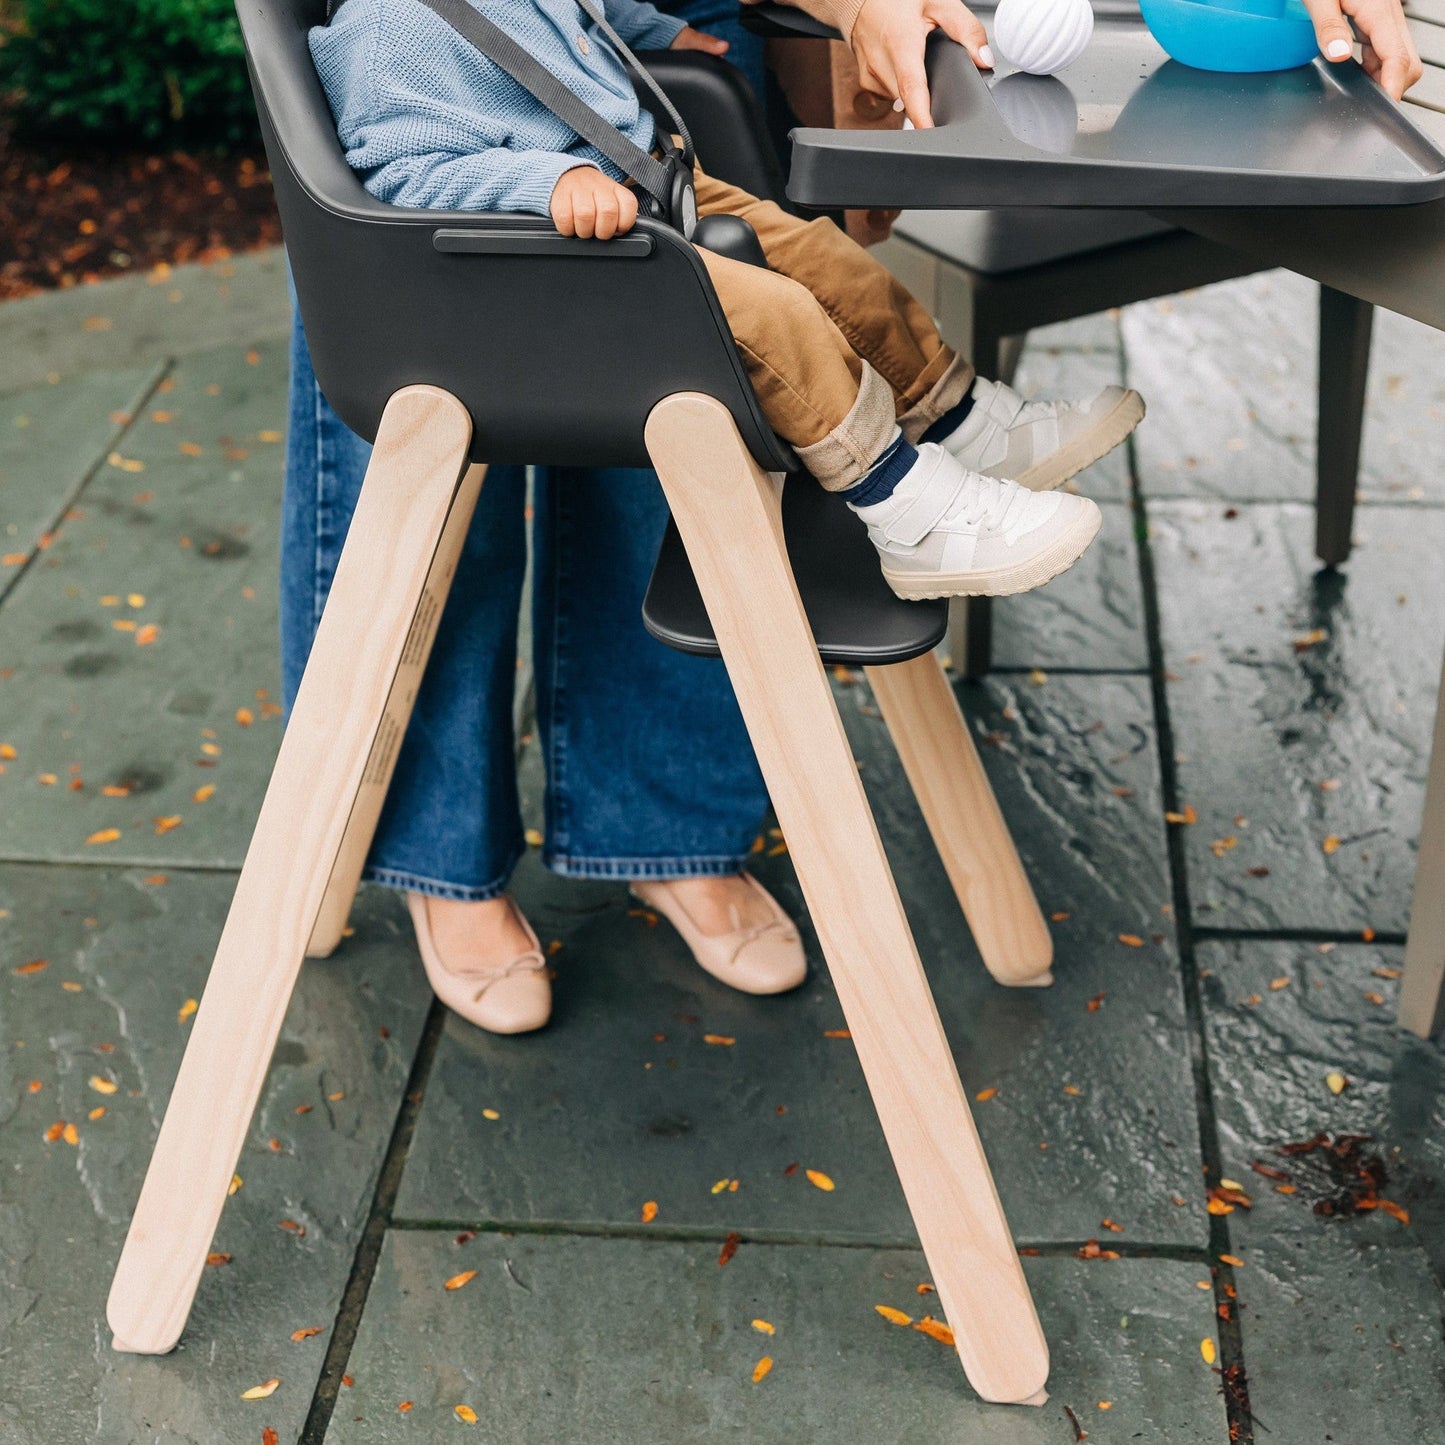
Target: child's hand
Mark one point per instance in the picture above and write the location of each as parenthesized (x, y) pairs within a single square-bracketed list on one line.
[(587, 203), (690, 39)]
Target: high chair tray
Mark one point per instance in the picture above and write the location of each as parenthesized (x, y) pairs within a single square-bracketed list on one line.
[(1125, 126)]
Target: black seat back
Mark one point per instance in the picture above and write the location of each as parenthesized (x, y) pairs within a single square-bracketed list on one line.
[(558, 348)]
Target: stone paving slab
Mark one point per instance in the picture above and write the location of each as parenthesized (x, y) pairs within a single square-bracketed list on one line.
[(1092, 617), (1230, 376), (1302, 701), (194, 538), (123, 956), (50, 440), (564, 1340), (144, 318), (1343, 1343), (1280, 1018), (598, 1115)]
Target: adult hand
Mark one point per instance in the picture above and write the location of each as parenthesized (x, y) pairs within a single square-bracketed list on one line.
[(1389, 52), (690, 39), (888, 38), (587, 203)]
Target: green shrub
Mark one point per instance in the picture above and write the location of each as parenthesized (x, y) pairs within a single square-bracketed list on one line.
[(128, 73)]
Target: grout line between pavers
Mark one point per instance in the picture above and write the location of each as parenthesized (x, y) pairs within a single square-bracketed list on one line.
[(115, 865), (368, 1251), (685, 1234), (1362, 503), (1205, 934), (147, 390), (1238, 1415)]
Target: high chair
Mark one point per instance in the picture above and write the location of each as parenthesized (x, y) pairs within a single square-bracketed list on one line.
[(460, 339)]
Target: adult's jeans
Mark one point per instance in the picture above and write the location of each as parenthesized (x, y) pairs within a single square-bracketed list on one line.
[(649, 770)]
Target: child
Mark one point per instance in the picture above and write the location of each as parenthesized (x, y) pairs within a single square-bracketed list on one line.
[(952, 474)]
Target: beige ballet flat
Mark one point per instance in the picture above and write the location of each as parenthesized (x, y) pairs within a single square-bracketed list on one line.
[(764, 959), (514, 998)]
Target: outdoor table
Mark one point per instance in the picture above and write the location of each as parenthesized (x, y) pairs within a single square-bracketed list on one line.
[(1390, 255)]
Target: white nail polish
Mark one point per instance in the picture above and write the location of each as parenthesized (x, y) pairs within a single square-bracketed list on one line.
[(986, 55), (1338, 49), (897, 105)]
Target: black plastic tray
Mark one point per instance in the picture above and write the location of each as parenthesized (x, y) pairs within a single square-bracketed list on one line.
[(1124, 126)]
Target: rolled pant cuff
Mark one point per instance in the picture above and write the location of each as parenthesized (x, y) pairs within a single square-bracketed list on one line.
[(852, 447), (568, 865), (407, 882), (938, 400)]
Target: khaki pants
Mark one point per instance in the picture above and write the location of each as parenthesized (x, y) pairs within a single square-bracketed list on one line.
[(836, 349)]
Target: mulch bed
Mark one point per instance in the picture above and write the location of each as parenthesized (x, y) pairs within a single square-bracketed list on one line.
[(67, 218)]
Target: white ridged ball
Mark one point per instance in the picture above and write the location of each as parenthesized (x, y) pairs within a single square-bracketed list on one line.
[(1042, 36)]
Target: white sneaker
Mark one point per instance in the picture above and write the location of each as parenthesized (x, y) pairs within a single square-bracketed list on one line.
[(949, 532), (1041, 444)]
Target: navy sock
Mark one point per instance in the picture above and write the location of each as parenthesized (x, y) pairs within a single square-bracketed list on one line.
[(880, 479), (950, 420)]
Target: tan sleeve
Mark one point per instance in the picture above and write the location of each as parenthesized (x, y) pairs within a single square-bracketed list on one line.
[(838, 13)]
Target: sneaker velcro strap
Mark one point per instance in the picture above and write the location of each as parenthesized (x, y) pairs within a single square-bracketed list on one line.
[(920, 514), (1003, 405)]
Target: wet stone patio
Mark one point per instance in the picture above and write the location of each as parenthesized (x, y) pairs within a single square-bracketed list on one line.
[(1226, 985)]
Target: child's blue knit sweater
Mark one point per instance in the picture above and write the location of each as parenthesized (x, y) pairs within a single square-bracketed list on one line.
[(427, 121)]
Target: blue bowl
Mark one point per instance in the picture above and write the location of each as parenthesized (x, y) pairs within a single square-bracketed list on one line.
[(1233, 35)]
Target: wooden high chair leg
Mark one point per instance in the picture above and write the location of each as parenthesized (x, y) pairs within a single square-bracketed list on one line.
[(381, 763), (367, 632), (1422, 991), (943, 765), (727, 510)]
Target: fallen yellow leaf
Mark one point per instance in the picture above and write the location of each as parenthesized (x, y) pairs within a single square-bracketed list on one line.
[(935, 1330), (762, 1367), (819, 1180), (1336, 1082), (458, 1280), (105, 835), (186, 1010), (984, 1095), (893, 1316), (1330, 844), (102, 1085), (466, 1414), (649, 1211), (261, 1392), (725, 1041), (304, 1334), (203, 793), (763, 1327), (1206, 1348)]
